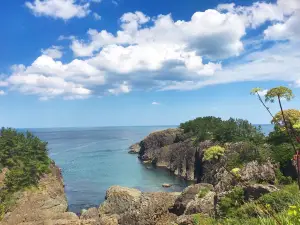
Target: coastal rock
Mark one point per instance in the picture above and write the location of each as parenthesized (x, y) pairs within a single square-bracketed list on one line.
[(166, 185), (119, 200), (253, 171), (47, 202), (254, 191), (132, 207), (203, 205), (185, 220), (188, 200), (90, 214), (157, 140), (135, 148)]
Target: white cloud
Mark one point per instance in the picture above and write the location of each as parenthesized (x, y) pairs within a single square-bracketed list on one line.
[(96, 16), (210, 33), (54, 52), (59, 9), (160, 53), (48, 78), (115, 2), (2, 92), (263, 92), (155, 103), (122, 88)]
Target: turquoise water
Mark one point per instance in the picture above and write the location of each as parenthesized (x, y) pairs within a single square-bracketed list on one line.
[(93, 159)]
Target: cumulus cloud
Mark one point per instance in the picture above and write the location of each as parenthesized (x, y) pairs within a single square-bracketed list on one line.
[(2, 92), (54, 52), (59, 9), (160, 53), (120, 88)]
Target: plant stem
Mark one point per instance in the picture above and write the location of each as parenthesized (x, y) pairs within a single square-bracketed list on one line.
[(267, 108), (291, 140)]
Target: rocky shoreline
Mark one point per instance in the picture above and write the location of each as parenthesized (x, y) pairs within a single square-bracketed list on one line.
[(172, 149)]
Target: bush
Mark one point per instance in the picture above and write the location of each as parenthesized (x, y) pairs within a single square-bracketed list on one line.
[(213, 152), (231, 202)]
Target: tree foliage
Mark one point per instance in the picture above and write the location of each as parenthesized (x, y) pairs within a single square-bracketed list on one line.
[(291, 115), (279, 92), (26, 158), (216, 129)]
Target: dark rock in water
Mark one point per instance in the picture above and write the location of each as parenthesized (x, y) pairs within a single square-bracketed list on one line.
[(166, 185), (135, 148), (254, 191), (189, 202)]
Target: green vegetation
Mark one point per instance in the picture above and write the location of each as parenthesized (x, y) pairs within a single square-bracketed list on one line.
[(213, 152), (25, 156), (203, 192), (216, 129)]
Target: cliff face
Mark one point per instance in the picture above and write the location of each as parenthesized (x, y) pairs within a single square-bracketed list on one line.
[(45, 204), (177, 151)]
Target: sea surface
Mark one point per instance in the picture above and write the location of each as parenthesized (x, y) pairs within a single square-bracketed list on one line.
[(93, 159)]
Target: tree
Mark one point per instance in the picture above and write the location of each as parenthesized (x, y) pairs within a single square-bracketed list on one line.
[(280, 93)]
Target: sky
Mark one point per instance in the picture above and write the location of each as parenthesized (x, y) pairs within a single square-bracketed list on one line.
[(82, 63)]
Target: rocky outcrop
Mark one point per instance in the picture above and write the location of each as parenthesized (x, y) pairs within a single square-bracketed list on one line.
[(135, 148), (44, 204), (198, 198), (129, 206), (254, 191)]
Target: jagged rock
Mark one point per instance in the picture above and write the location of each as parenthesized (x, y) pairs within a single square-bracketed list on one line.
[(45, 203), (189, 199), (91, 213), (136, 208), (254, 191), (253, 171), (185, 220), (157, 140), (109, 220), (135, 148), (119, 200), (204, 205)]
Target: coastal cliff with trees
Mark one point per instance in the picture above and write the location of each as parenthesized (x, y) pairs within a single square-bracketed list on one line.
[(241, 176)]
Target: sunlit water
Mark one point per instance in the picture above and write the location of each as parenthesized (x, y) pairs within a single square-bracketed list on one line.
[(93, 159)]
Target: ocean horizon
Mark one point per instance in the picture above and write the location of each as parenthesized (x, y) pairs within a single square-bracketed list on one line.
[(94, 158)]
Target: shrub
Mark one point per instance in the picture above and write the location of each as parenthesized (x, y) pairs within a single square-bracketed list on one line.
[(231, 201), (213, 152)]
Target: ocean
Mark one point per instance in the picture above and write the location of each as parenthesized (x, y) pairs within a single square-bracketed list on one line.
[(93, 159)]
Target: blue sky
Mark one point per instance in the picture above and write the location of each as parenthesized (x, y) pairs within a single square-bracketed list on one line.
[(68, 63)]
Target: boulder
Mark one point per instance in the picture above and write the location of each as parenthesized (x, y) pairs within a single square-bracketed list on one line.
[(119, 200), (131, 207), (204, 205), (166, 185), (90, 214), (254, 191), (189, 199)]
